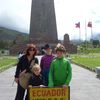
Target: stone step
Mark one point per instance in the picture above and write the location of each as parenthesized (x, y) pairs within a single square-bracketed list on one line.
[(98, 71)]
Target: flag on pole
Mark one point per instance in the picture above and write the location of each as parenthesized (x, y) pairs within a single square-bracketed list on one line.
[(89, 24), (77, 25)]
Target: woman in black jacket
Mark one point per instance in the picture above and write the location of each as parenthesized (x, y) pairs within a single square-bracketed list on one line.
[(24, 65)]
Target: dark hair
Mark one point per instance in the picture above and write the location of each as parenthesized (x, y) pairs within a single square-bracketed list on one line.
[(29, 47), (47, 46)]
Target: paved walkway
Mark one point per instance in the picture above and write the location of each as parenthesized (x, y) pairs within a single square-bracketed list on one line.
[(7, 91), (84, 85)]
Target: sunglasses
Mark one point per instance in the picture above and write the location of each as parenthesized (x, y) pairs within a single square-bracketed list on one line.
[(31, 49)]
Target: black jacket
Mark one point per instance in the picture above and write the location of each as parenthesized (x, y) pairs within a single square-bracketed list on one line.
[(36, 80), (24, 64)]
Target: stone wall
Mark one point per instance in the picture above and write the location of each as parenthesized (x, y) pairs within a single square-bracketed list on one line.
[(70, 48)]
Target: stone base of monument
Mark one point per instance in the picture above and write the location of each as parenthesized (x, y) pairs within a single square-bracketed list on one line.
[(98, 71)]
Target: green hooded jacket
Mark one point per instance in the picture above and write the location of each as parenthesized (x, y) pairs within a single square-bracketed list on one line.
[(60, 72)]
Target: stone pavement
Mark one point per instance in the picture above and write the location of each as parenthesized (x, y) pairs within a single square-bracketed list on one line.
[(7, 91), (84, 85)]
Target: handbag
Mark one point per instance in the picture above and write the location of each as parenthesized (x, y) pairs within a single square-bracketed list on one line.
[(25, 76), (24, 79)]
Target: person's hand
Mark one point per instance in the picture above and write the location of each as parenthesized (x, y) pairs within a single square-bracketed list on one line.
[(16, 80), (65, 86), (30, 86), (42, 85)]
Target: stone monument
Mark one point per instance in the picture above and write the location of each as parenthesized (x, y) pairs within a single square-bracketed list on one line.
[(43, 22), (70, 48), (42, 26)]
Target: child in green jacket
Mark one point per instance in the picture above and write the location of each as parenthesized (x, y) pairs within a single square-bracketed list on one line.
[(60, 70)]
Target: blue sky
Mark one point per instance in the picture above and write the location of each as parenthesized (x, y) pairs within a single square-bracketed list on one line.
[(15, 14)]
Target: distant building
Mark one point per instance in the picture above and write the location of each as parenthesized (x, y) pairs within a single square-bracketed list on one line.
[(4, 52)]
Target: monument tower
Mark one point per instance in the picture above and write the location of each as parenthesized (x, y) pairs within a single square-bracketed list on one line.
[(42, 26), (43, 22)]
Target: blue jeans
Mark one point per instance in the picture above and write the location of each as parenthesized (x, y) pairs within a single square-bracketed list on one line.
[(45, 74)]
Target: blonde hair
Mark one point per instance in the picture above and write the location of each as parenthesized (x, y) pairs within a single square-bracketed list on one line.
[(35, 66)]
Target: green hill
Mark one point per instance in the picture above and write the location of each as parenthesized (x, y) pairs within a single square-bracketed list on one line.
[(8, 34)]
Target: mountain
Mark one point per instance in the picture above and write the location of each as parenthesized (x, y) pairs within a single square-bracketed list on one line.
[(96, 36), (8, 34)]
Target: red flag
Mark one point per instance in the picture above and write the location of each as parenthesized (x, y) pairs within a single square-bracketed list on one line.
[(77, 25), (89, 24)]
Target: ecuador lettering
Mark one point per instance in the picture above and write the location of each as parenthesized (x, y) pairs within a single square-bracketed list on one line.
[(49, 93)]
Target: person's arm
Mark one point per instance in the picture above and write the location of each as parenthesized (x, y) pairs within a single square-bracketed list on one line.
[(31, 80), (18, 68), (69, 70), (36, 60), (51, 75), (41, 63)]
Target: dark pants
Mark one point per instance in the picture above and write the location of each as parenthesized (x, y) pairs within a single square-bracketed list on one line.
[(45, 73), (27, 97), (20, 93)]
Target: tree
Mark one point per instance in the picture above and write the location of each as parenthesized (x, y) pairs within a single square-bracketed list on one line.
[(95, 43)]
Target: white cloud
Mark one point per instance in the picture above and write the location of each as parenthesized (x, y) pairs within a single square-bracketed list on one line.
[(71, 11), (16, 14), (18, 11)]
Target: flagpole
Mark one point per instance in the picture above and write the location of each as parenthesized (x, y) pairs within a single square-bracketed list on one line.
[(90, 25), (78, 26), (92, 38), (91, 34), (85, 34), (79, 34)]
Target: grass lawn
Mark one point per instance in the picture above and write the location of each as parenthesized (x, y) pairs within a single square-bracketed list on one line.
[(6, 62), (90, 61)]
